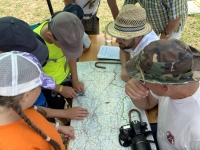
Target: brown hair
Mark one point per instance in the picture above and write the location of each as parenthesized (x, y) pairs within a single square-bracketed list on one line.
[(13, 102)]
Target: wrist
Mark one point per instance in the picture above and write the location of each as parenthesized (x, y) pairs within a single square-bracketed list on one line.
[(167, 34), (57, 126), (60, 88)]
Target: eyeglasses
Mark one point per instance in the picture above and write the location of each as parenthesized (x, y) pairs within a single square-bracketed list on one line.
[(121, 40)]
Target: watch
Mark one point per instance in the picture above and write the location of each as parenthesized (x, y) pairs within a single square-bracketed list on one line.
[(166, 34)]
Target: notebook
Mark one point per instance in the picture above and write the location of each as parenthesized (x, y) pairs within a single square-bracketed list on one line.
[(109, 52)]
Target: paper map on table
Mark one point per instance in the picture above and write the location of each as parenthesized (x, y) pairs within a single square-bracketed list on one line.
[(108, 104)]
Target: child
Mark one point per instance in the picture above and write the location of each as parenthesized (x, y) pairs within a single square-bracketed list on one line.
[(63, 35), (19, 88)]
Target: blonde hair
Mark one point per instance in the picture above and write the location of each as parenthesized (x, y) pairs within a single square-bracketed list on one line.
[(13, 102)]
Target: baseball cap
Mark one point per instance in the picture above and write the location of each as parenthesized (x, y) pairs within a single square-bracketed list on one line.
[(68, 30), (16, 34), (165, 62), (74, 9), (21, 72)]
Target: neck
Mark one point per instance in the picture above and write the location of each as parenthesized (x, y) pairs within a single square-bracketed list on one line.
[(184, 91), (7, 116), (43, 33)]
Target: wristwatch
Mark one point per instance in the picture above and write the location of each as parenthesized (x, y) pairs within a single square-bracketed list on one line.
[(166, 34)]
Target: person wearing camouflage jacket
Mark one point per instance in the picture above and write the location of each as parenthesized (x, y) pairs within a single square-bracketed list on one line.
[(167, 73)]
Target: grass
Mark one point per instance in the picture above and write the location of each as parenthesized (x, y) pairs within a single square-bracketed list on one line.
[(33, 11)]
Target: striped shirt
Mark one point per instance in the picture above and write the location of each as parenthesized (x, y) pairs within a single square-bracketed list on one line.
[(160, 11)]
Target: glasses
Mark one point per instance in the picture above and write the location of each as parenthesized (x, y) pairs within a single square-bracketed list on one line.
[(121, 40)]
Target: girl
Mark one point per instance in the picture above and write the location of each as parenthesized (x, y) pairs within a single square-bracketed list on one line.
[(22, 127)]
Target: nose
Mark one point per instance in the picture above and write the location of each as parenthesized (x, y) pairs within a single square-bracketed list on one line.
[(118, 40)]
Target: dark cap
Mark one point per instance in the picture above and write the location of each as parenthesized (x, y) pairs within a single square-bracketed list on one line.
[(74, 9), (16, 34), (68, 30), (165, 62)]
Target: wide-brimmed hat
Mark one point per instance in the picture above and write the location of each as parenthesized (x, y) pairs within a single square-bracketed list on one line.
[(166, 62), (15, 34), (130, 23), (68, 30)]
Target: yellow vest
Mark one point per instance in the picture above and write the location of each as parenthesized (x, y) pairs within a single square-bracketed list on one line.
[(56, 63)]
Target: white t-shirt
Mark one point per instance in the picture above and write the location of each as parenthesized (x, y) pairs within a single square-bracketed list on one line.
[(86, 41), (86, 9), (148, 38), (179, 123)]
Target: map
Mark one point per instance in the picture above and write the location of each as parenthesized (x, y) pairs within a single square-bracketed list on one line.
[(108, 104)]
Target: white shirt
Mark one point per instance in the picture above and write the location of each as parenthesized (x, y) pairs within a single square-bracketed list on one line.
[(86, 41), (179, 123), (148, 38)]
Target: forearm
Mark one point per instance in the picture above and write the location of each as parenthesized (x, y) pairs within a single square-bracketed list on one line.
[(113, 7), (145, 103), (73, 69), (172, 25), (124, 58), (55, 113)]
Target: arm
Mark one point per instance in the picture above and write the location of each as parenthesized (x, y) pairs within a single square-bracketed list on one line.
[(68, 131), (113, 7), (75, 113), (86, 42), (124, 58), (175, 11), (171, 27), (78, 86), (66, 91), (140, 95)]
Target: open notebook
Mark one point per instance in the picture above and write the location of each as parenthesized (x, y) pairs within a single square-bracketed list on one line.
[(109, 52)]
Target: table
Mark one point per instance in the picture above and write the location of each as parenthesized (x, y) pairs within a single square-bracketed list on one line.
[(91, 55)]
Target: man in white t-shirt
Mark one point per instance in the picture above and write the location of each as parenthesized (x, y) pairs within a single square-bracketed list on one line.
[(133, 33), (167, 73)]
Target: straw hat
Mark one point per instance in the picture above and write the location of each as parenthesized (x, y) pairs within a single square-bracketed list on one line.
[(130, 23)]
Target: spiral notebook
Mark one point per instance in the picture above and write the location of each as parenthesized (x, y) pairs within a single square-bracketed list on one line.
[(109, 52)]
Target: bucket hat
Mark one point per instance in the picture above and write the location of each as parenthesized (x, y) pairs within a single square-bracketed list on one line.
[(130, 23), (165, 62)]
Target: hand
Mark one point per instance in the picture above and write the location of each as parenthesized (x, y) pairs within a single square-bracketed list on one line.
[(78, 87), (68, 92), (124, 75), (135, 89), (163, 36), (68, 132), (77, 113)]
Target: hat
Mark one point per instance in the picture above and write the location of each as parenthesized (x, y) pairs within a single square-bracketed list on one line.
[(74, 9), (68, 30), (21, 72), (165, 62), (130, 23), (17, 35)]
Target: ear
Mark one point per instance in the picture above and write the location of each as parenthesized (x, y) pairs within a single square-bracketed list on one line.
[(25, 97), (49, 34), (165, 88)]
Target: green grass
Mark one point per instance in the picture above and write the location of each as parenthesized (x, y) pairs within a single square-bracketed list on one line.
[(33, 11)]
